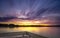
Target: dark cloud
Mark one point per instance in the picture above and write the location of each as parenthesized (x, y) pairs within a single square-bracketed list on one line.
[(33, 9)]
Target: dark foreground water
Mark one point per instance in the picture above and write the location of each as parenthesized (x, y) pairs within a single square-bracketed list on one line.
[(50, 32)]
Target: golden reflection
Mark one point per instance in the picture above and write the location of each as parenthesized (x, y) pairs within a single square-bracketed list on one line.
[(32, 29)]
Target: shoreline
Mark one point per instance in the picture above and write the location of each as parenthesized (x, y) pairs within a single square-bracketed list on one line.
[(20, 35)]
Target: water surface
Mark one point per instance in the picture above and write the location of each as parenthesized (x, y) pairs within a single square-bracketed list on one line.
[(50, 32)]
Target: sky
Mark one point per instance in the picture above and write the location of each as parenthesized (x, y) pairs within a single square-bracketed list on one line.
[(32, 9)]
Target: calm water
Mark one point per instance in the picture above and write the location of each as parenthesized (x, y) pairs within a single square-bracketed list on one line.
[(51, 32)]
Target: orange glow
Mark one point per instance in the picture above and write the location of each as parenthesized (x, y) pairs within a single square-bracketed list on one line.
[(30, 22), (27, 22)]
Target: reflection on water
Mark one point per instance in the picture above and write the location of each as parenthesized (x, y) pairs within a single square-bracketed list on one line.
[(29, 29), (51, 32)]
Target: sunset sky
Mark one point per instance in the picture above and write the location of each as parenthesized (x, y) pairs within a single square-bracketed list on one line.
[(31, 9)]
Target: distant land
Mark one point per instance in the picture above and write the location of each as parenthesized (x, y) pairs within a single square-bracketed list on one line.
[(13, 25)]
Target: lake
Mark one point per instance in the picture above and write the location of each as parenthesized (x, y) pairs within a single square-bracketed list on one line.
[(50, 32)]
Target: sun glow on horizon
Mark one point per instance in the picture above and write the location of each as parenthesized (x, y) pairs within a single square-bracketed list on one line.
[(32, 22), (27, 22)]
